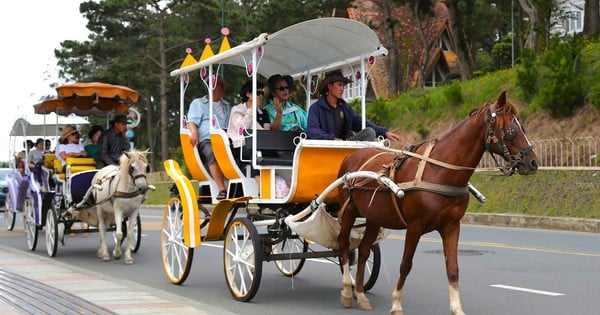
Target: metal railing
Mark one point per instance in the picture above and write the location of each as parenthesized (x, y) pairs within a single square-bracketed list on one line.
[(574, 153)]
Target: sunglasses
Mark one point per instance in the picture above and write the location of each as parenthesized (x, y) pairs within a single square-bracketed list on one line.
[(283, 88)]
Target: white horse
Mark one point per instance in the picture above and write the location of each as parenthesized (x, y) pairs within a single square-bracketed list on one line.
[(117, 192)]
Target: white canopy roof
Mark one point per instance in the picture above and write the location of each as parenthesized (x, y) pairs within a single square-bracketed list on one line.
[(44, 125), (306, 46)]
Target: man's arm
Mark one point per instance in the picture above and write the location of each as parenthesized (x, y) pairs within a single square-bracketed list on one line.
[(104, 150)]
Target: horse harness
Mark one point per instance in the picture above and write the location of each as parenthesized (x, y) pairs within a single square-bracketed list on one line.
[(110, 177), (417, 183)]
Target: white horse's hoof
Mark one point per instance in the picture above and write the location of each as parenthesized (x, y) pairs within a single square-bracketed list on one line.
[(346, 299)]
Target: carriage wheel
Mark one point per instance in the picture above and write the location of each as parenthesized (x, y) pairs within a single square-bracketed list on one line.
[(242, 259), (290, 267), (29, 221), (176, 256), (9, 214), (51, 231), (372, 267)]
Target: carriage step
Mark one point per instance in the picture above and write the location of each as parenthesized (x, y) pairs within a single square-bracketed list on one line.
[(32, 297)]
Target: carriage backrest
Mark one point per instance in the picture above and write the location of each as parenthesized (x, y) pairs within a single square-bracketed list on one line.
[(275, 147)]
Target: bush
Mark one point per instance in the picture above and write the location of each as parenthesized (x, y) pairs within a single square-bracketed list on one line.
[(502, 54), (561, 89), (453, 94)]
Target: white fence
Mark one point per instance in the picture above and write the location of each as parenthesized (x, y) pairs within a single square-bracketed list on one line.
[(561, 153)]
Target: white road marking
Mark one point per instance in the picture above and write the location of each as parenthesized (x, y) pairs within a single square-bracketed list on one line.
[(509, 287)]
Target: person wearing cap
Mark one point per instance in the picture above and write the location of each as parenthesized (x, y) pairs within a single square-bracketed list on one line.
[(69, 145), (240, 120), (198, 122), (331, 118), (283, 114), (112, 143)]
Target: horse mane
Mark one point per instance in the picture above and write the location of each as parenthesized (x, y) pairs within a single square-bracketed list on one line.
[(129, 156)]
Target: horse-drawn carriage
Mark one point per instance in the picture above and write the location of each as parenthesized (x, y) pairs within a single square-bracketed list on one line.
[(49, 202), (319, 173)]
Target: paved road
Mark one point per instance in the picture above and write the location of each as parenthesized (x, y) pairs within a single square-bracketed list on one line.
[(503, 271)]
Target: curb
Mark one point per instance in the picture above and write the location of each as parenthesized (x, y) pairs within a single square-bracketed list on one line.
[(528, 221)]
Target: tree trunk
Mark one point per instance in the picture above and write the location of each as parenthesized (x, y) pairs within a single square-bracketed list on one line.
[(591, 22), (465, 63), (390, 39), (164, 122), (425, 45), (531, 10)]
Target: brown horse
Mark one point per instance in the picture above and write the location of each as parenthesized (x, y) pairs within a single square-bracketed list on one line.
[(434, 176)]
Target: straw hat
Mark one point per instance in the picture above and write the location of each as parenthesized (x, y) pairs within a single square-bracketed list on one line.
[(331, 77), (67, 131)]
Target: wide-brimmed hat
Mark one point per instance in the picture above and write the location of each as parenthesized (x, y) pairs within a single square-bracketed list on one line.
[(278, 77), (66, 132), (331, 77)]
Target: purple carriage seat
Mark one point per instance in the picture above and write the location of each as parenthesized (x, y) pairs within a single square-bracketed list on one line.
[(80, 183)]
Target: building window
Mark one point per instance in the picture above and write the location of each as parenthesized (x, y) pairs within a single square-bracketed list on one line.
[(575, 22)]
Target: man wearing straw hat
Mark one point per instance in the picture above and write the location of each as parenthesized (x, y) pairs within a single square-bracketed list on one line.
[(331, 118)]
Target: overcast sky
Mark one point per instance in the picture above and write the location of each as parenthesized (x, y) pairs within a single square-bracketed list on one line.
[(30, 31)]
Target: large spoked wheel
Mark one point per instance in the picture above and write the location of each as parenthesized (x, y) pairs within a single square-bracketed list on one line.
[(9, 213), (31, 228), (137, 233), (176, 256), (52, 231), (290, 267), (372, 267), (242, 259)]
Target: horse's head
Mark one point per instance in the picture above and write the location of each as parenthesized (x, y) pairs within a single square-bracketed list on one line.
[(506, 137), (136, 165)]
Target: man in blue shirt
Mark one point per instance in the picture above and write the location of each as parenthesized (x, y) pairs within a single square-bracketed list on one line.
[(199, 120), (331, 118)]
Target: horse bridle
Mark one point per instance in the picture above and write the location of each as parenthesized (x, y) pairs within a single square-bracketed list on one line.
[(491, 139)]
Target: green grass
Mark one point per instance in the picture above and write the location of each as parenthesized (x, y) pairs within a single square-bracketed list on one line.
[(573, 194)]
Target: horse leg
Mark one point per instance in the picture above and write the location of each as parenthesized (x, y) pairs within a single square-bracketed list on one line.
[(450, 240), (118, 233), (346, 222), (410, 246), (130, 223), (102, 248), (364, 250)]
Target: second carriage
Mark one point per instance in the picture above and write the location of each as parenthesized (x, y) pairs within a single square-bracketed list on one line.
[(45, 202)]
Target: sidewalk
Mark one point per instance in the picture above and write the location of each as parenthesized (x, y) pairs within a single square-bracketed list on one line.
[(31, 284)]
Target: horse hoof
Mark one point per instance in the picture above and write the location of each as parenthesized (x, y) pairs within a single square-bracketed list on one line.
[(129, 262), (106, 258), (346, 300), (396, 312), (364, 305)]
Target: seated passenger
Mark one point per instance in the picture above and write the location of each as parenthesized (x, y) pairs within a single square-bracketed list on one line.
[(69, 146), (93, 136), (112, 143), (240, 124), (199, 120), (283, 114), (36, 159), (331, 118)]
